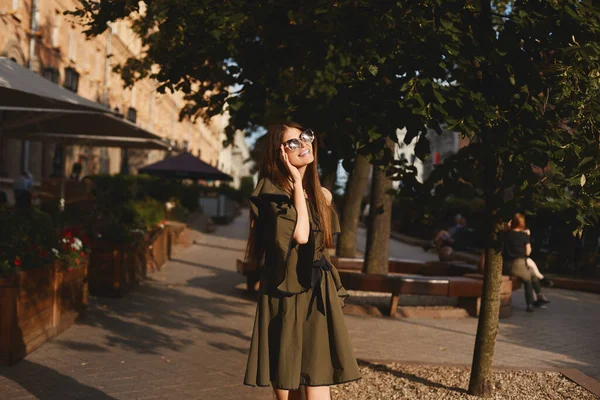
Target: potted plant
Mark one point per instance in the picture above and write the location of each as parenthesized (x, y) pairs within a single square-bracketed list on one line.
[(38, 300), (72, 253)]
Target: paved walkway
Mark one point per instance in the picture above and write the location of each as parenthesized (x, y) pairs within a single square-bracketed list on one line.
[(185, 334)]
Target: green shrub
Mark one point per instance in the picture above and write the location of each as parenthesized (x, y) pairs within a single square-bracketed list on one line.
[(110, 189), (150, 212), (179, 213), (27, 238)]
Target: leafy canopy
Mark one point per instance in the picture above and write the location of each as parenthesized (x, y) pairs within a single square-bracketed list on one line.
[(510, 75)]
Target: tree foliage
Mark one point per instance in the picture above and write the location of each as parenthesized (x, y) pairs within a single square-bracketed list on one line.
[(519, 78)]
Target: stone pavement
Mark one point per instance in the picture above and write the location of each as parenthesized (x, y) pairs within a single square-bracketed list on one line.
[(185, 334)]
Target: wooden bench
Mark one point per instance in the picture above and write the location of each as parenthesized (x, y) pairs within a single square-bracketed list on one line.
[(405, 266), (433, 278), (467, 290)]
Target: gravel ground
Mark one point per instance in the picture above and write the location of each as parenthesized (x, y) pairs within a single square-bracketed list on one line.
[(396, 381)]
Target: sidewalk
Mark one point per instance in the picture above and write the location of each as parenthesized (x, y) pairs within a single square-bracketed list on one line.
[(185, 335)]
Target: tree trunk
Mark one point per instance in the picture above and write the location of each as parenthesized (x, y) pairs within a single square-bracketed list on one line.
[(487, 327), (355, 189), (380, 223), (330, 176)]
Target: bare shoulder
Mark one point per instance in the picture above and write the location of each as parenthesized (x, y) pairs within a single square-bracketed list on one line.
[(328, 195)]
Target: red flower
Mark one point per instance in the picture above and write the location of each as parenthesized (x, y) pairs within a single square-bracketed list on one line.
[(85, 239), (67, 233), (70, 269), (17, 262), (82, 254), (43, 253), (36, 246)]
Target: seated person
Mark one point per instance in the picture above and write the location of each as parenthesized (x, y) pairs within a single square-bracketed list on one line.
[(454, 239)]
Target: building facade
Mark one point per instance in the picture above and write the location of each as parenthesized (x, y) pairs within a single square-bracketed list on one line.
[(36, 34), (234, 159)]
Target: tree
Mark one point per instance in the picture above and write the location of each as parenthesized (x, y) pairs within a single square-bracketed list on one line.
[(510, 75), (355, 189), (264, 61), (380, 217), (515, 83)]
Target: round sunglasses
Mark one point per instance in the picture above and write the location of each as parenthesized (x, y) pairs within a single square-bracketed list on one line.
[(308, 136)]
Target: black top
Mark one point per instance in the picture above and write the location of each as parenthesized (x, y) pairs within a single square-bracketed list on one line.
[(514, 245)]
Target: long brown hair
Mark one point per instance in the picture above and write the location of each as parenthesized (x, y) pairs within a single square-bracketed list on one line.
[(518, 222), (273, 168)]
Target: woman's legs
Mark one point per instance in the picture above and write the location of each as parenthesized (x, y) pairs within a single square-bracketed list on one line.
[(318, 393), (312, 393), (527, 286), (520, 269), (540, 299), (288, 394), (534, 268)]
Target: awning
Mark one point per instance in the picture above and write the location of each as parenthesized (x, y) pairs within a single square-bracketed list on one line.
[(185, 165), (82, 128), (34, 108), (22, 88)]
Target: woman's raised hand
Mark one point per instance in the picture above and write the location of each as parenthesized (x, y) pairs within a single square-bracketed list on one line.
[(294, 173)]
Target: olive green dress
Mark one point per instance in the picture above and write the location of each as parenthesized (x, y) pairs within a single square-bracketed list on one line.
[(301, 338)]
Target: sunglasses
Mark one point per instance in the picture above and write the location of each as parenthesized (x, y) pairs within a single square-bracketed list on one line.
[(308, 136)]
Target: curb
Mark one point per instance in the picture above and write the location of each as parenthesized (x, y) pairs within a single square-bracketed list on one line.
[(580, 285), (581, 379)]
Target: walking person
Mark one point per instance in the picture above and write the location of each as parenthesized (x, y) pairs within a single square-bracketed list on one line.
[(517, 248), (300, 336)]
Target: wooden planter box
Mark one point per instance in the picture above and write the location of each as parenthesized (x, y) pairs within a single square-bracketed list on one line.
[(71, 296), (38, 305), (159, 245), (112, 270), (115, 268)]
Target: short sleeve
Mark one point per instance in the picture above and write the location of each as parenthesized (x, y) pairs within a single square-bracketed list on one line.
[(526, 239)]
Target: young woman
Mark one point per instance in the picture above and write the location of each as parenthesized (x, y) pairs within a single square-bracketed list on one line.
[(299, 337), (517, 248)]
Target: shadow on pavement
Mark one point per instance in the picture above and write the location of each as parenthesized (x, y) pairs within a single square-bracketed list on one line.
[(47, 384), (409, 377), (564, 334), (138, 321)]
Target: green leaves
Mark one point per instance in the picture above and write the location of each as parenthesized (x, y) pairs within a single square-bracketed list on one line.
[(357, 71)]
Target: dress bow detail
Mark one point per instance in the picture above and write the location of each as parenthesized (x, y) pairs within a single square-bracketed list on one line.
[(319, 268)]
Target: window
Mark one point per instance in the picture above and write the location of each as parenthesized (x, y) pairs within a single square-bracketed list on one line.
[(72, 45), (51, 74), (16, 4), (71, 79), (132, 114), (56, 29), (186, 145)]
